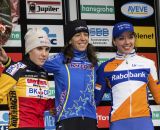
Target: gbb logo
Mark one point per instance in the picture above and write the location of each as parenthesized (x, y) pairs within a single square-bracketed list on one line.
[(99, 32), (52, 36)]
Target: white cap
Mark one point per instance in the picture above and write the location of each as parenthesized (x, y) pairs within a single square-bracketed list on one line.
[(36, 37)]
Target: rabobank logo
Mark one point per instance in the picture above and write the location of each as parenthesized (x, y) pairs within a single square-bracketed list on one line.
[(137, 10), (117, 77), (128, 75), (4, 117)]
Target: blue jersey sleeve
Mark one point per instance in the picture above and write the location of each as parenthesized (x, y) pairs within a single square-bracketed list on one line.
[(101, 84), (53, 63)]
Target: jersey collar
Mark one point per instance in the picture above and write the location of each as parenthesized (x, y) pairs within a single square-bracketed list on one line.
[(123, 56)]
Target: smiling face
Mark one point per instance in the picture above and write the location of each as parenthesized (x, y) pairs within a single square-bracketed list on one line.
[(80, 41), (39, 55), (125, 43)]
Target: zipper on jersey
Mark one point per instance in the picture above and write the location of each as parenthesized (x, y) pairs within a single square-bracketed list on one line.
[(130, 97)]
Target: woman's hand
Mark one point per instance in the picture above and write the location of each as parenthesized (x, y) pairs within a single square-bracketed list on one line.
[(3, 56)]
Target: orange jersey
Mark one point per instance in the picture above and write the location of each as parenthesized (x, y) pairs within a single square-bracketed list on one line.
[(128, 79)]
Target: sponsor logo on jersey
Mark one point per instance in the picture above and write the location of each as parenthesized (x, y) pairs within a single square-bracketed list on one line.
[(14, 68), (37, 92), (36, 82), (13, 108), (128, 75), (81, 66)]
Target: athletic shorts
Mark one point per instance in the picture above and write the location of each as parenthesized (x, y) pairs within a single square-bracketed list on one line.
[(140, 123), (77, 123)]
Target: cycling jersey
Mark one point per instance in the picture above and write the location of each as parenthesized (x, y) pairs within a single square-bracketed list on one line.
[(74, 86), (128, 77), (27, 86)]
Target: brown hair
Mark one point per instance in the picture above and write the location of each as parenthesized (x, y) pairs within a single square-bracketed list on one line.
[(91, 54)]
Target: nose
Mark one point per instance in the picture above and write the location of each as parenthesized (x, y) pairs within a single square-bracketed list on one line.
[(44, 52), (83, 37), (127, 40)]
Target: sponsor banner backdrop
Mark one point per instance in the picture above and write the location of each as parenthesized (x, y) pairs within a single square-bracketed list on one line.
[(145, 36), (4, 118), (49, 121), (97, 10), (51, 89), (104, 56), (3, 127), (15, 37), (15, 12), (106, 97), (55, 33), (103, 116), (155, 114), (100, 35), (139, 13), (152, 56), (150, 97), (137, 10), (40, 9)]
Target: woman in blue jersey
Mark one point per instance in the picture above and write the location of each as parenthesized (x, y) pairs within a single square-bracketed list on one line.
[(127, 76), (74, 73)]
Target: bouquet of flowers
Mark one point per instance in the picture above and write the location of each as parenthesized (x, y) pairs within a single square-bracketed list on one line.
[(5, 21)]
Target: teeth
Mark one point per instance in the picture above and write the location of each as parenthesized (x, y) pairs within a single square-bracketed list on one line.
[(126, 47)]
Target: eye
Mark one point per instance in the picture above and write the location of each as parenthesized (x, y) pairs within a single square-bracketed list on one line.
[(77, 34), (120, 38), (39, 48), (85, 34), (48, 48), (131, 36)]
